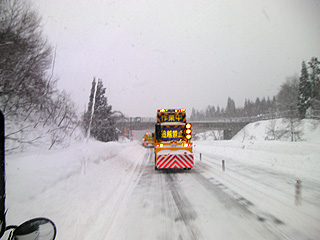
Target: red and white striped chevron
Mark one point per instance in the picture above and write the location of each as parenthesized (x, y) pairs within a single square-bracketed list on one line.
[(175, 161)]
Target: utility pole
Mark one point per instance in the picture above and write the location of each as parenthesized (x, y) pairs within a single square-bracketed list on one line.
[(92, 109)]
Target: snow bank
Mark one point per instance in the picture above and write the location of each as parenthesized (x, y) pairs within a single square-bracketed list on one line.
[(298, 158), (281, 129), (35, 181), (210, 135)]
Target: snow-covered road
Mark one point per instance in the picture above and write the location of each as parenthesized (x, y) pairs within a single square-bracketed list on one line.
[(182, 205), (111, 191)]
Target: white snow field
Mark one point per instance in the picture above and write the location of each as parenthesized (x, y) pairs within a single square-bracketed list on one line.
[(95, 190)]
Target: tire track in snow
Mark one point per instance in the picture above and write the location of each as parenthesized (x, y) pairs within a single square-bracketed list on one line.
[(105, 212), (159, 195), (135, 176), (231, 199), (186, 211)]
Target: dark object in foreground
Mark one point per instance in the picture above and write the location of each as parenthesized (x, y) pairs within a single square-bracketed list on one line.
[(37, 228), (34, 229)]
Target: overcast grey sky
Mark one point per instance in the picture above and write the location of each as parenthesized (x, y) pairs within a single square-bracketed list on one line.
[(154, 54)]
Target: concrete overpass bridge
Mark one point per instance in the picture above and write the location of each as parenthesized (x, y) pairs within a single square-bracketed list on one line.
[(229, 128)]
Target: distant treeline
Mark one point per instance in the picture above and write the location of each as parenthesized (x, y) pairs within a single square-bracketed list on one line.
[(298, 97), (251, 108)]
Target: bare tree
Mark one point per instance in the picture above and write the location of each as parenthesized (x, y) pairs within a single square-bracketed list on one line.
[(25, 58), (28, 97), (271, 130), (287, 97)]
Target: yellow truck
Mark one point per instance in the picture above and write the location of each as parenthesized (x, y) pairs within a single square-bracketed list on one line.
[(172, 140), (148, 140)]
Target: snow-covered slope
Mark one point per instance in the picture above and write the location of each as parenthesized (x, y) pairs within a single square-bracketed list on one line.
[(278, 129), (281, 129)]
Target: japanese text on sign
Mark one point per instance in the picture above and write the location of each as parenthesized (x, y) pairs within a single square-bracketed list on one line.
[(171, 118), (171, 133)]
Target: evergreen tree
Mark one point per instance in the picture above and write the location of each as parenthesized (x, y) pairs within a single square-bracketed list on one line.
[(315, 83), (263, 106), (231, 108), (103, 123), (210, 112), (274, 104), (305, 88), (248, 108), (193, 116), (218, 112), (213, 111), (257, 106)]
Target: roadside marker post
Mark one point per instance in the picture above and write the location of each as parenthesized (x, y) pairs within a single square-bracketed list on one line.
[(223, 166), (200, 157), (298, 192)]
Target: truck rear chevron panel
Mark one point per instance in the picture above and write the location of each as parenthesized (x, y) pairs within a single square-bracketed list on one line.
[(175, 161)]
